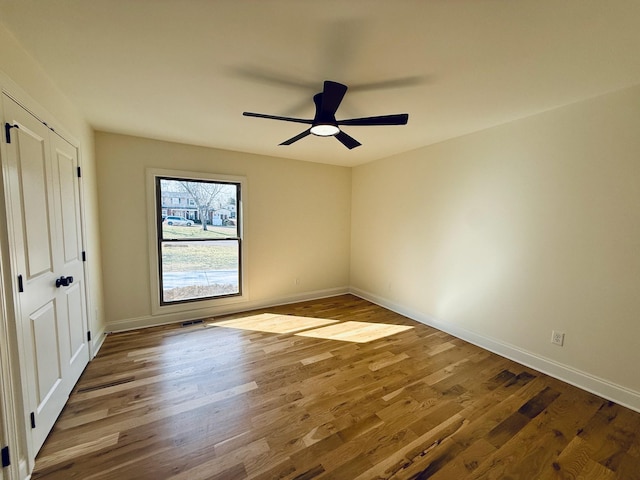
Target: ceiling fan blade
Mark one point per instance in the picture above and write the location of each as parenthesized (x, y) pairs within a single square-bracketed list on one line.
[(296, 138), (399, 119), (276, 117), (347, 140), (332, 95)]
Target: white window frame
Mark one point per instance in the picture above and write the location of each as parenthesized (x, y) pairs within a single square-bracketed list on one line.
[(152, 226)]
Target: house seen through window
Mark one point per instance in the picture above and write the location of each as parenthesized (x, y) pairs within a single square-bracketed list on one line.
[(199, 241)]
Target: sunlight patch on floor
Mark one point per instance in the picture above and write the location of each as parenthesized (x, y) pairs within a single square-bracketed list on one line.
[(272, 323), (359, 332)]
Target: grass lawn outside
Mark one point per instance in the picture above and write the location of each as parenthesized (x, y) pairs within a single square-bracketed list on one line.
[(195, 231), (191, 256), (199, 269)]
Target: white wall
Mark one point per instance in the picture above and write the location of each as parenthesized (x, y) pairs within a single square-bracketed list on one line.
[(507, 234), (298, 221)]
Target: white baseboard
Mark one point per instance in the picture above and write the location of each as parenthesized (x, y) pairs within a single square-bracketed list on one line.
[(584, 380), (165, 319), (97, 342), (591, 383)]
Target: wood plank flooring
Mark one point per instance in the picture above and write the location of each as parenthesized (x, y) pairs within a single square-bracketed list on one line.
[(215, 403)]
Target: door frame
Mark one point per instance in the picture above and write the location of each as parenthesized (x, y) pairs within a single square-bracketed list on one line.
[(13, 407), (10, 426)]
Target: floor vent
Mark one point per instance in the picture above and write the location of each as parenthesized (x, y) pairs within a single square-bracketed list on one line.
[(105, 385), (191, 322)]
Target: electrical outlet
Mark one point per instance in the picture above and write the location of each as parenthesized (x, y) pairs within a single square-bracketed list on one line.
[(557, 338)]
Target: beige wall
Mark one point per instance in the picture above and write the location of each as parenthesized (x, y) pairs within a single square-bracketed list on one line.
[(298, 224), (509, 233)]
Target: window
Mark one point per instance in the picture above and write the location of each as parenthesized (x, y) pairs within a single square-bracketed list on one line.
[(199, 255)]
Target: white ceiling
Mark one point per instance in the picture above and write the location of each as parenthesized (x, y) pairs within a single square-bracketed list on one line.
[(185, 70)]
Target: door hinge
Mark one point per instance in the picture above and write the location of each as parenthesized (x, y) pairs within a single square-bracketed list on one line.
[(6, 459), (89, 336), (20, 284), (33, 420), (7, 131), (84, 256), (79, 172)]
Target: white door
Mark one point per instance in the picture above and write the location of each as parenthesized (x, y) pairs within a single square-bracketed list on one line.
[(45, 244), (70, 263)]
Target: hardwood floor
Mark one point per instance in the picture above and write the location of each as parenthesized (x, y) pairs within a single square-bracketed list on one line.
[(200, 402)]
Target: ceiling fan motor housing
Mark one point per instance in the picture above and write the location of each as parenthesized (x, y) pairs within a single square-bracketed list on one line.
[(324, 122)]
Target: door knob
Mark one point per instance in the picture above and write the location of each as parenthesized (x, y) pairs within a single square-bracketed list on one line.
[(63, 281)]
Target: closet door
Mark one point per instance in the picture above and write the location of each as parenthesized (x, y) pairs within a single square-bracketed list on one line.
[(45, 245), (69, 262)]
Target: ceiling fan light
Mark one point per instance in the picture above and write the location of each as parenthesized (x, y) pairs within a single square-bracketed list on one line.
[(324, 130)]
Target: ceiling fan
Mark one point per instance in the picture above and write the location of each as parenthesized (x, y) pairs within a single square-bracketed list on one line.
[(324, 123)]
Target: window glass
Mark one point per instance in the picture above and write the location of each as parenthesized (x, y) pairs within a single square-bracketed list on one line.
[(199, 244)]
